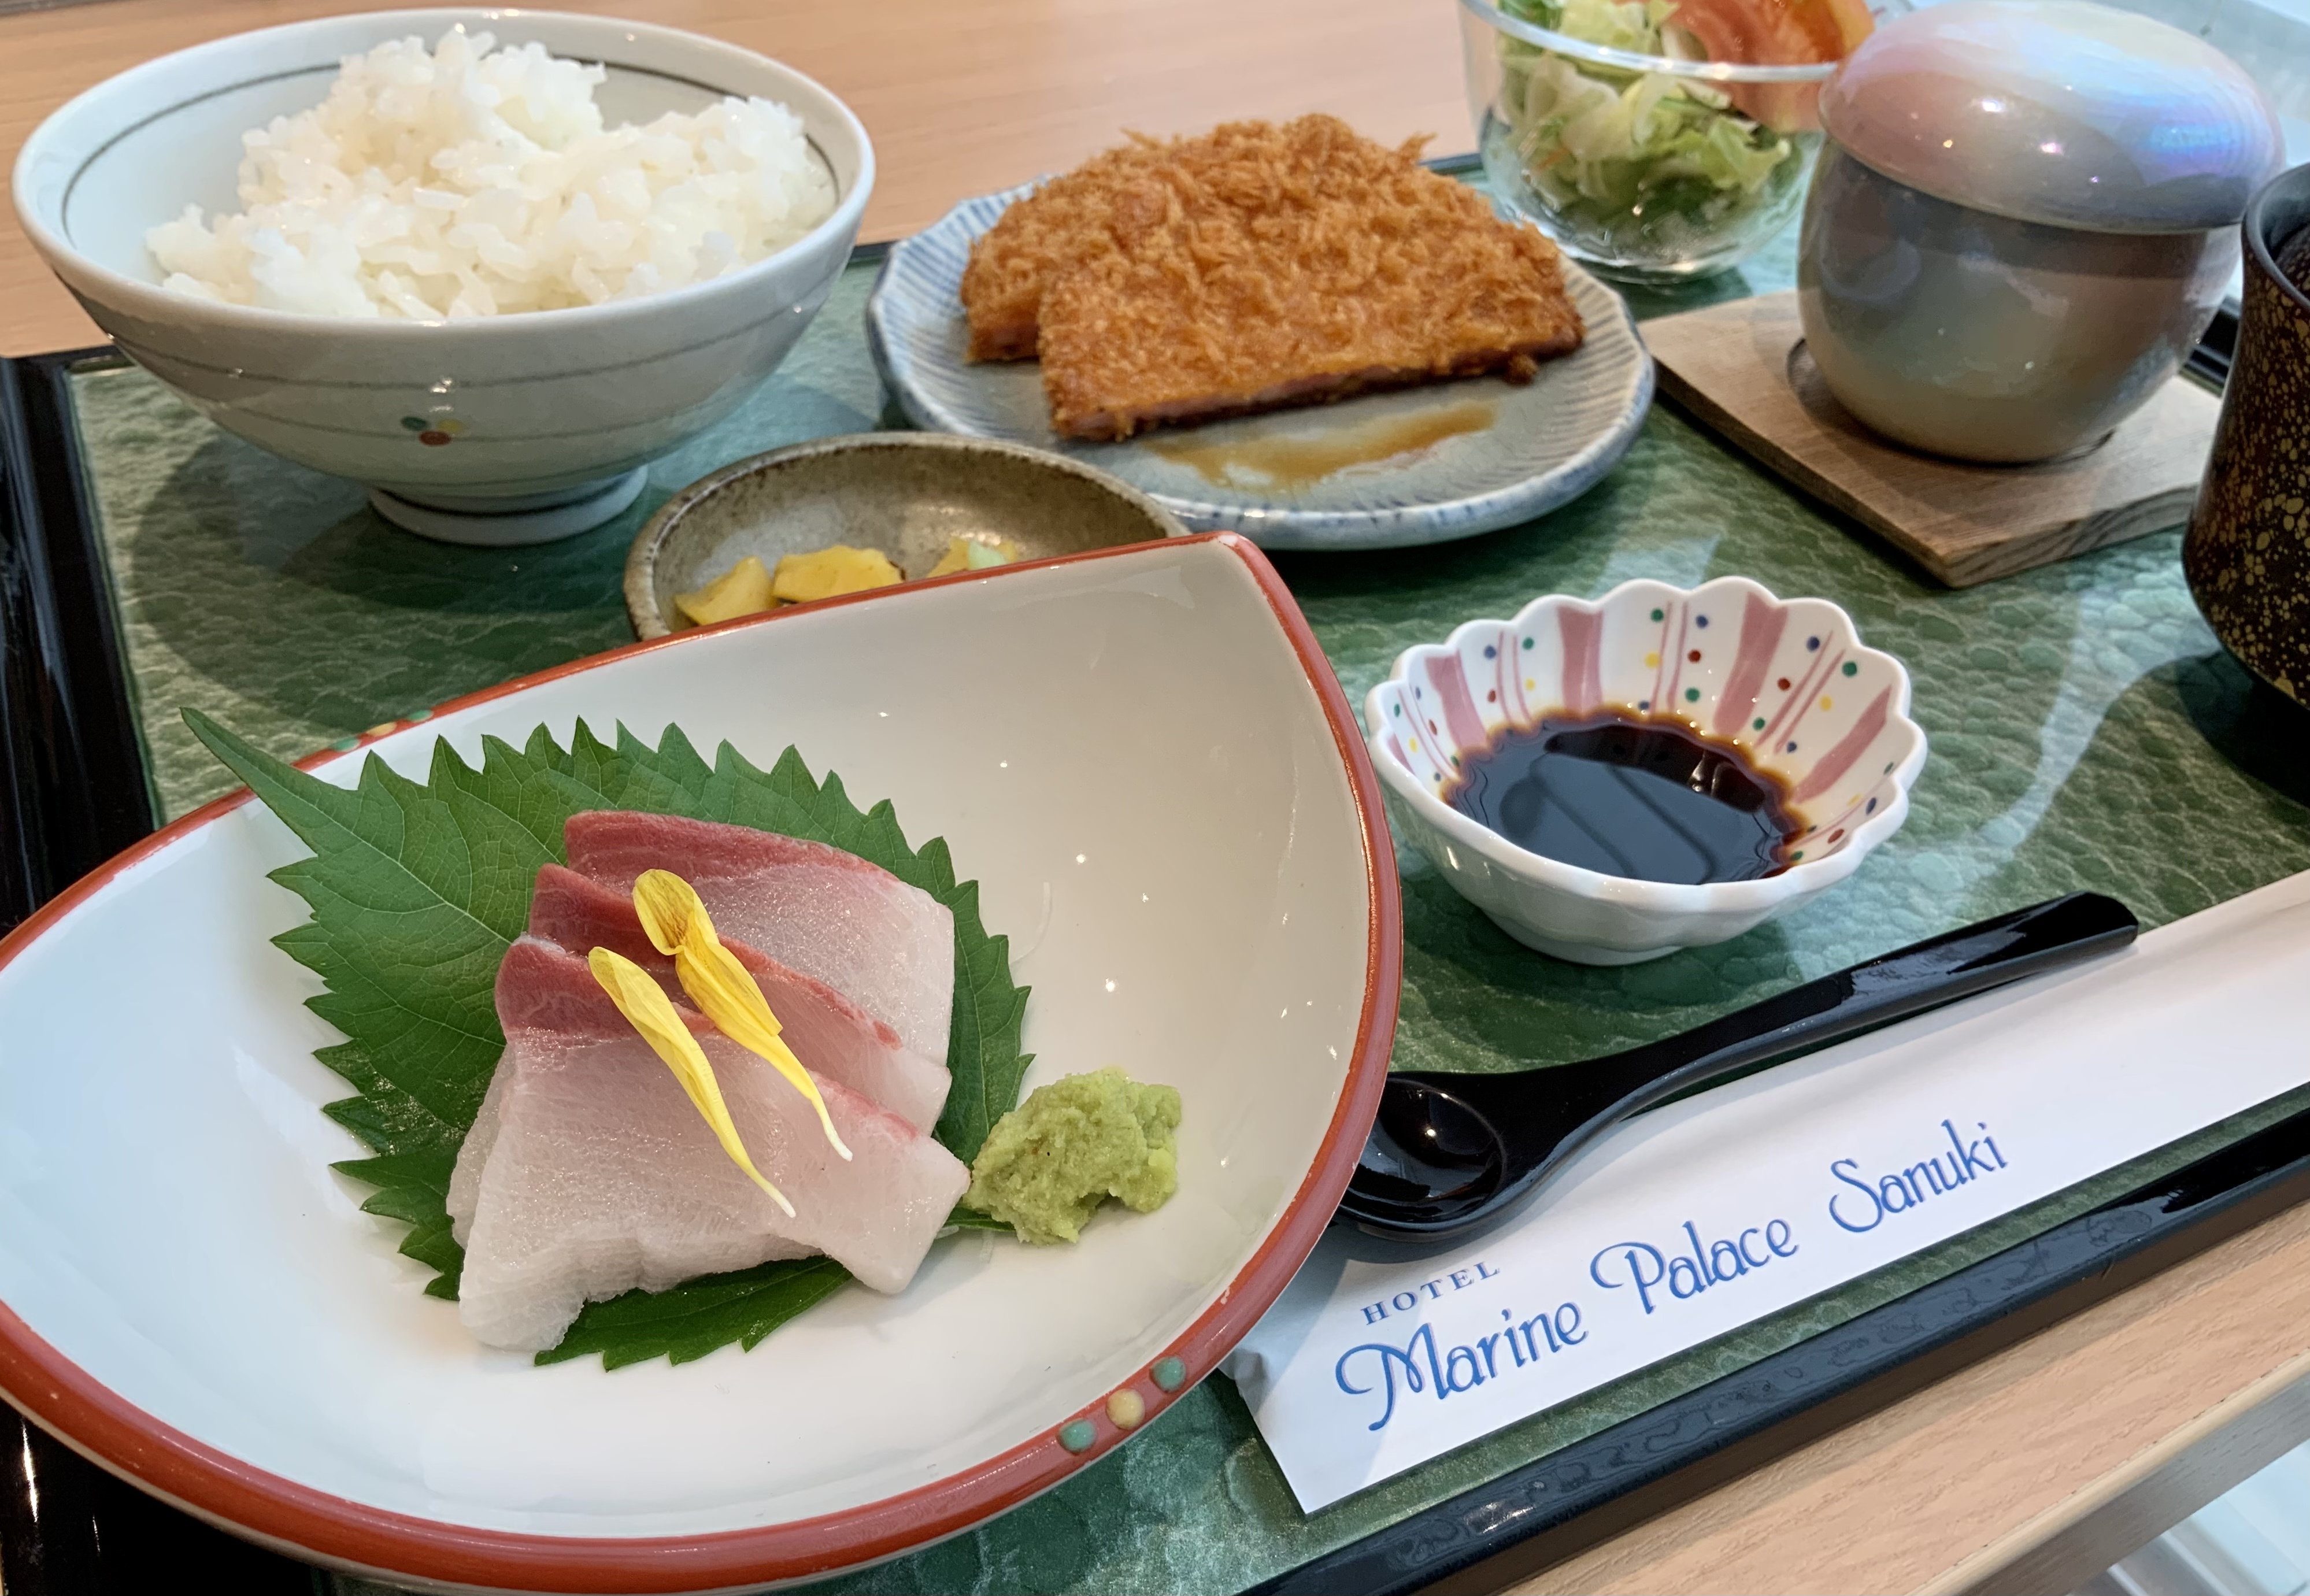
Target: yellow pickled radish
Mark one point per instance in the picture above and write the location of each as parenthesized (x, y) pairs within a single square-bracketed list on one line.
[(647, 1008), (744, 589), (725, 991), (974, 554), (828, 572)]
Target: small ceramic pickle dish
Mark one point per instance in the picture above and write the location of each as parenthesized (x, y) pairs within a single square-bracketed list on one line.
[(908, 494), (2024, 218), (1786, 682)]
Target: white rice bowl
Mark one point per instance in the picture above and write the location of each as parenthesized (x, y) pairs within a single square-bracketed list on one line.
[(468, 181)]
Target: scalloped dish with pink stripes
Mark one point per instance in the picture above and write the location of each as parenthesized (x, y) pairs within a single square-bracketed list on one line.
[(1787, 682), (1784, 686)]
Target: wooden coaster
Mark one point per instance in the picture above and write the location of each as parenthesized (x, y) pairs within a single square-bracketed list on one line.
[(1742, 367)]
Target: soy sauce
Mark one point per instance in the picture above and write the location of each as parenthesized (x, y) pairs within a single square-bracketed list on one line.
[(1629, 795)]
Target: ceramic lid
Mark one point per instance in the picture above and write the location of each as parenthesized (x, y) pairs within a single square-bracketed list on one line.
[(2057, 111)]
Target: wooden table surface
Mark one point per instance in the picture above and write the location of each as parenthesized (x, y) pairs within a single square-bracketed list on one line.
[(2027, 1471), (960, 98)]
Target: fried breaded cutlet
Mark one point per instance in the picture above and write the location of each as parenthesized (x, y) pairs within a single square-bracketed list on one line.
[(1059, 225), (1067, 221), (1258, 267)]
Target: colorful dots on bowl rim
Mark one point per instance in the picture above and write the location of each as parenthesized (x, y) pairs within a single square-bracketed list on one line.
[(383, 728), (1124, 1409), (433, 431)]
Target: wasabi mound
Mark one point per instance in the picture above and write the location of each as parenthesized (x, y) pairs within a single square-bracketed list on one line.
[(1049, 1163)]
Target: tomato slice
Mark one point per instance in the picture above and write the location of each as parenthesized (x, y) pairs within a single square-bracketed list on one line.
[(1776, 33)]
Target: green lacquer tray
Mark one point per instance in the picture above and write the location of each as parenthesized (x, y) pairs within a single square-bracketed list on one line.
[(2086, 730)]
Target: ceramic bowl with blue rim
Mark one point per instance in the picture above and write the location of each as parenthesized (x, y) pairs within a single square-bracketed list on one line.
[(1379, 471), (1786, 682)]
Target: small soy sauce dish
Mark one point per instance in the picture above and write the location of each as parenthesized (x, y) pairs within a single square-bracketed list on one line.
[(1664, 768)]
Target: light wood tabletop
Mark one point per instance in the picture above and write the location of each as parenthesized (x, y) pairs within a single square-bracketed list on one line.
[(959, 99), (2027, 1469)]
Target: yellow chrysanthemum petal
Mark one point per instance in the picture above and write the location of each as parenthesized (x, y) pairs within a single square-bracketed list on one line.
[(669, 908), (725, 991), (647, 1008)]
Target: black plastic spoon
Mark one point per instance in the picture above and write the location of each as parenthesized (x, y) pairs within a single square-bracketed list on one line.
[(1450, 1152)]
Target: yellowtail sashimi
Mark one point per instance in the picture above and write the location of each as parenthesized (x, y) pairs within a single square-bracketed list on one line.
[(834, 1037), (887, 946), (589, 1171)]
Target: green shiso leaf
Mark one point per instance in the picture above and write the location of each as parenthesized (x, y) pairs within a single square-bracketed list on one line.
[(970, 1218), (416, 892), (701, 1315)]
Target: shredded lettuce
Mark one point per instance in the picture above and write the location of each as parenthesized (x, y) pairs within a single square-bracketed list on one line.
[(1617, 152)]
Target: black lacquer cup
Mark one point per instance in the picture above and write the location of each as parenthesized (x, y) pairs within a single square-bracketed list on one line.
[(2247, 552)]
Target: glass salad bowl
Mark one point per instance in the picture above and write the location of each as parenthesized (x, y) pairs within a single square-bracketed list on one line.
[(1655, 140)]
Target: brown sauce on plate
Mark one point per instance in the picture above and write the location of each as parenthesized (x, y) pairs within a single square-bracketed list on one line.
[(1631, 796), (1288, 461)]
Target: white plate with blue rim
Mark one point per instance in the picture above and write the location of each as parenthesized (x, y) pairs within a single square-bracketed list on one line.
[(1380, 471)]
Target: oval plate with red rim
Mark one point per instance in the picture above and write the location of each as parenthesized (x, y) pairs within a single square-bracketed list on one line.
[(1141, 756)]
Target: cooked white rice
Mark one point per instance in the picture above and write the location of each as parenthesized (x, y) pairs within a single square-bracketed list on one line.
[(469, 181)]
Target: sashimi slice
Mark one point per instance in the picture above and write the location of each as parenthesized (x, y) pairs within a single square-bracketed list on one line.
[(473, 1155), (833, 1037), (887, 946), (602, 1176)]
